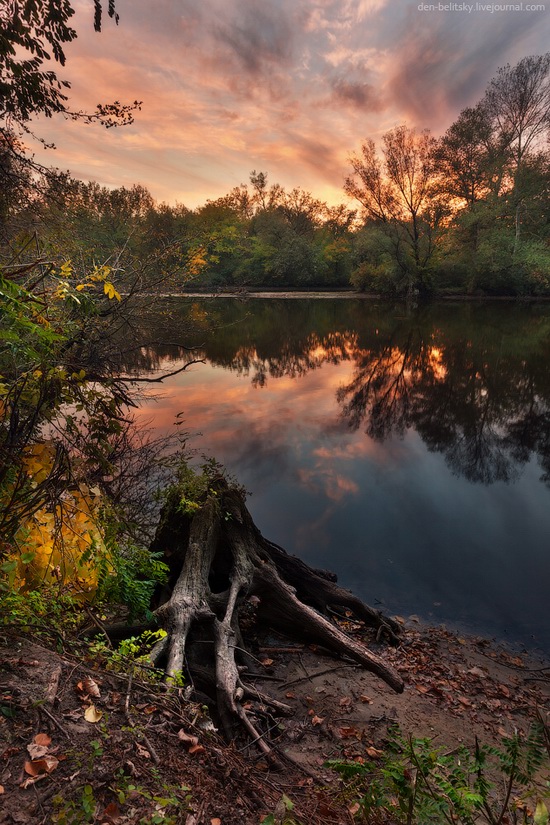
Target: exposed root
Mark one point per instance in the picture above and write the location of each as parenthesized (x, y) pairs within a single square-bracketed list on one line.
[(223, 562)]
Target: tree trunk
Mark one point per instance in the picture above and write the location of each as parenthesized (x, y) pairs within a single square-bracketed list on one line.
[(224, 573)]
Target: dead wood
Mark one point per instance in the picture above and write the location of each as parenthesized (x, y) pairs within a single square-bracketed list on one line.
[(225, 575)]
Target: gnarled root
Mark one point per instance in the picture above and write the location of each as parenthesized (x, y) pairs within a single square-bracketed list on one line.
[(222, 563)]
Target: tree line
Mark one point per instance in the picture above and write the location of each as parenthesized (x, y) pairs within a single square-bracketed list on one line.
[(467, 212)]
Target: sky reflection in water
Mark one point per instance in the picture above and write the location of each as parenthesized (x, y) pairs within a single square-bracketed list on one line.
[(328, 428)]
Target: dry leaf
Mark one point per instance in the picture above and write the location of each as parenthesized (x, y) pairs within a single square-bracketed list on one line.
[(422, 688), (2, 790), (464, 701), (504, 690), (32, 780), (37, 751), (477, 671), (348, 731), (399, 619), (188, 740), (374, 753), (142, 751), (353, 809), (90, 687), (111, 814), (317, 720), (345, 702), (366, 699), (42, 739), (197, 749), (266, 662), (290, 695), (92, 714), (216, 821), (38, 766)]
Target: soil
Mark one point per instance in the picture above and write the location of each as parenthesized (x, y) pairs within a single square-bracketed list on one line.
[(121, 756)]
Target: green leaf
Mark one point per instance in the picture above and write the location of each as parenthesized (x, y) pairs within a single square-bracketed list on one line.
[(26, 558), (288, 803)]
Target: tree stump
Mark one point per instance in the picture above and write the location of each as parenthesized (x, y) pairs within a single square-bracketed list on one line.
[(222, 569)]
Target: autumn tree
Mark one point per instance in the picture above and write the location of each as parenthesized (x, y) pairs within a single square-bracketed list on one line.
[(398, 192), (518, 101)]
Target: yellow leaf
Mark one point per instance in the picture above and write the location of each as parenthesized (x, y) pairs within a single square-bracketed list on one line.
[(110, 291), (92, 714)]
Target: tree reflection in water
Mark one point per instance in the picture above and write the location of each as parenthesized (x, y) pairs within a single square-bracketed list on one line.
[(471, 379)]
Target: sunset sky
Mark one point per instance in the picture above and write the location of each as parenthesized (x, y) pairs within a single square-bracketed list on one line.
[(289, 87)]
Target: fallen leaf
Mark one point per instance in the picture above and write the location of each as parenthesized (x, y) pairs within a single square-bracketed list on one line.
[(92, 714), (290, 695), (266, 662), (422, 688), (477, 671), (348, 731), (188, 740), (365, 699), (399, 619), (374, 753), (353, 809), (37, 751), (464, 701), (216, 821), (111, 814), (504, 690), (42, 739), (345, 702), (38, 766), (2, 789), (91, 687), (317, 720), (32, 780), (197, 749), (142, 751)]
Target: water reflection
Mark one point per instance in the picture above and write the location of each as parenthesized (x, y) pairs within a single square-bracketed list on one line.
[(403, 450), (472, 381)]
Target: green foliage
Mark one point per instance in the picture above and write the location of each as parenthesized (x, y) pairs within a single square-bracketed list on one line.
[(51, 613), (132, 656), (128, 574), (415, 783)]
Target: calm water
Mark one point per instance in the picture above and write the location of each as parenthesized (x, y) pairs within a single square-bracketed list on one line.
[(409, 451)]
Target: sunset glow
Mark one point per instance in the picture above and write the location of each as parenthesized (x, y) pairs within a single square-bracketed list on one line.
[(287, 88)]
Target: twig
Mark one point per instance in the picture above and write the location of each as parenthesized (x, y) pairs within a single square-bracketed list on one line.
[(42, 709), (132, 724), (99, 625), (320, 673), (53, 686)]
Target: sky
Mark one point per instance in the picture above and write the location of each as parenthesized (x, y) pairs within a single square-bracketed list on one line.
[(287, 87)]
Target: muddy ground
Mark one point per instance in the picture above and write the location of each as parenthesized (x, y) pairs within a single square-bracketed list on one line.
[(81, 744)]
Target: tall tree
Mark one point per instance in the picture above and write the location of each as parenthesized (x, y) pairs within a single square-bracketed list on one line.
[(518, 100), (400, 193)]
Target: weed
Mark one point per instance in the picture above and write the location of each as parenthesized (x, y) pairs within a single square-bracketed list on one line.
[(415, 783)]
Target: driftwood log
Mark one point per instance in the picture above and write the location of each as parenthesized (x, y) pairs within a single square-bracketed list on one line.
[(224, 571)]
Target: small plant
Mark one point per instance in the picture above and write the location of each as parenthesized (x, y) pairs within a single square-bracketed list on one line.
[(132, 656), (75, 812), (415, 783), (281, 814), (164, 808)]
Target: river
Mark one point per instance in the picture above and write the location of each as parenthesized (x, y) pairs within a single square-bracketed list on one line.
[(406, 449)]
